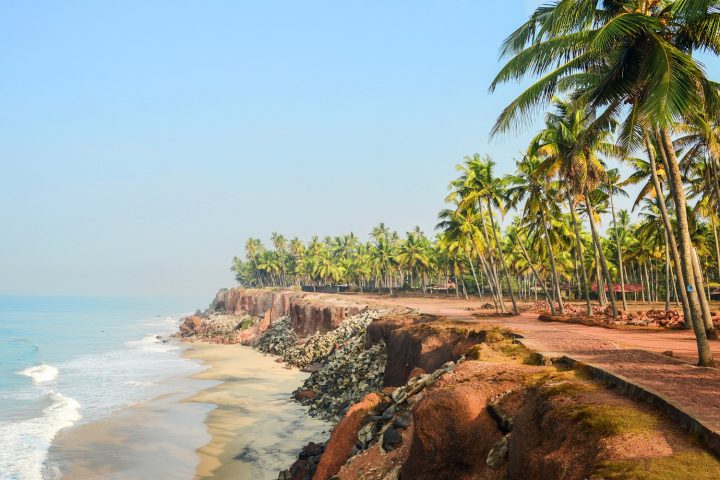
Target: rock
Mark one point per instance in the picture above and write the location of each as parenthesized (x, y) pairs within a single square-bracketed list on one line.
[(344, 436), (402, 421), (312, 449), (391, 437), (447, 424), (304, 395), (499, 453), (190, 325), (349, 372), (278, 338)]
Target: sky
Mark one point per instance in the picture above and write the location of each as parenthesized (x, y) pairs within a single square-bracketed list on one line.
[(141, 143)]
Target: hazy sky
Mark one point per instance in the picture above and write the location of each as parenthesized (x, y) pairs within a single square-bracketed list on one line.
[(142, 142)]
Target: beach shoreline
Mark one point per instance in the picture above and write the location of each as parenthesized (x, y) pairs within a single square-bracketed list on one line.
[(233, 419)]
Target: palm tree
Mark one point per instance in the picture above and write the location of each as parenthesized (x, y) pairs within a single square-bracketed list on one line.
[(478, 186), (570, 143), (528, 186), (616, 53), (612, 186), (461, 239)]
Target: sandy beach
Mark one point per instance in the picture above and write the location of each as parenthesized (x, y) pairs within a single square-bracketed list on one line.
[(235, 419)]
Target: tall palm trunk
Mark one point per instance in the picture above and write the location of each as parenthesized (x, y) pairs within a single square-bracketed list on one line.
[(669, 157), (619, 254), (603, 263), (556, 279), (501, 256), (685, 246), (477, 285), (667, 273), (488, 274), (687, 310), (535, 273), (491, 259), (602, 296), (581, 260), (717, 244)]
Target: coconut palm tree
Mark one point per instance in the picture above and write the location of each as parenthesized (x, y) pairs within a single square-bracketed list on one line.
[(570, 144), (617, 53), (478, 186), (612, 187), (528, 186)]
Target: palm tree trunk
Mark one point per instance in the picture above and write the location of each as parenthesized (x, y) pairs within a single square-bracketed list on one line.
[(491, 258), (678, 191), (619, 252), (581, 260), (535, 273), (702, 294), (486, 269), (553, 267), (501, 256), (497, 295), (477, 285), (603, 263), (687, 310), (602, 297), (667, 152), (667, 274), (717, 244)]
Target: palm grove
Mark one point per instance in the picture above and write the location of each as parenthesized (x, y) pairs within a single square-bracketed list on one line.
[(619, 83)]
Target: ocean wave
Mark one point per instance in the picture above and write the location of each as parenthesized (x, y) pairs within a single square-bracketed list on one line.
[(24, 444), (41, 373), (150, 343)]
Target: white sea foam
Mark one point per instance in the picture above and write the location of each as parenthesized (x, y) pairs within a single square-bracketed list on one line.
[(24, 444), (40, 373), (150, 343)]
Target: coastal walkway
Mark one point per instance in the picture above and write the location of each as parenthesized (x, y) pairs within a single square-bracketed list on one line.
[(632, 360)]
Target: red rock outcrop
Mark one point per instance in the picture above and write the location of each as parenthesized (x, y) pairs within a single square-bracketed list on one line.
[(191, 325), (419, 343), (309, 312), (344, 436)]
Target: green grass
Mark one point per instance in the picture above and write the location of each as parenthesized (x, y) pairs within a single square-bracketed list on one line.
[(567, 389), (609, 420), (247, 322), (695, 465)]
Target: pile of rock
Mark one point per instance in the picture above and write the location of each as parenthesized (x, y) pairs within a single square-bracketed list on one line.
[(320, 345), (217, 328), (348, 374), (225, 325), (653, 318), (385, 428), (306, 464), (278, 338)]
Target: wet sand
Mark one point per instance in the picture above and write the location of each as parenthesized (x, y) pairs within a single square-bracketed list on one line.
[(233, 420)]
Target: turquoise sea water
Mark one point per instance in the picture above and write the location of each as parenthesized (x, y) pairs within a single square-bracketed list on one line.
[(67, 360)]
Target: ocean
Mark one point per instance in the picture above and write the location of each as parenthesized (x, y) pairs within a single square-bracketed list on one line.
[(65, 361)]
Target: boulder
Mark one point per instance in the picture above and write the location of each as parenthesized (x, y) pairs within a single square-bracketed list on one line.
[(344, 436), (453, 433)]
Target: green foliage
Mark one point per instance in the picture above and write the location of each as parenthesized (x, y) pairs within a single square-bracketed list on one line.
[(608, 420), (695, 464)]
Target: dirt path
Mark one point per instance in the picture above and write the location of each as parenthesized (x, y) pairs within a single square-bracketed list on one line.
[(630, 353)]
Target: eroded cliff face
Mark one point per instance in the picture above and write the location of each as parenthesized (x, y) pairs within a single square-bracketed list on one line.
[(309, 312), (419, 343)]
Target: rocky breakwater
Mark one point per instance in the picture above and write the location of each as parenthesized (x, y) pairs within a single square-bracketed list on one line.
[(217, 328), (343, 369)]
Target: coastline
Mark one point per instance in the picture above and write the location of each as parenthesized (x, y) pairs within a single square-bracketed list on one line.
[(233, 419)]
